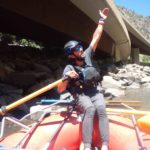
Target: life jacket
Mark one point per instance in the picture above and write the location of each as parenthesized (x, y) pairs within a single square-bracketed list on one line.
[(88, 78), (88, 74)]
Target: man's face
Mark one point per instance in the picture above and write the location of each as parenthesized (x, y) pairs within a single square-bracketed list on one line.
[(78, 52)]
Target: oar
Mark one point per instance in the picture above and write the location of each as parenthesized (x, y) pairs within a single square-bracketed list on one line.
[(143, 123), (128, 111), (4, 109), (123, 101), (47, 101)]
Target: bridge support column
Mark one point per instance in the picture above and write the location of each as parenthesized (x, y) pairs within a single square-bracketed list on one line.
[(135, 55), (117, 54)]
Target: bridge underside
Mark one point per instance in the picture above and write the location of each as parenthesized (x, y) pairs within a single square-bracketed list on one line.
[(23, 27), (55, 22), (58, 25)]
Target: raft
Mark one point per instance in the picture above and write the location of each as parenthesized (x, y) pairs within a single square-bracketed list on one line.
[(51, 129)]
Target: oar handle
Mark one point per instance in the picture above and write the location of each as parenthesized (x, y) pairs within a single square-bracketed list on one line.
[(4, 109)]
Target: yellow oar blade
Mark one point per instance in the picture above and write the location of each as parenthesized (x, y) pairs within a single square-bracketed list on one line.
[(144, 124), (128, 112), (31, 96)]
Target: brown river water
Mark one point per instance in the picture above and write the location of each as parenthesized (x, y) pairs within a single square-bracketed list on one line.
[(141, 94)]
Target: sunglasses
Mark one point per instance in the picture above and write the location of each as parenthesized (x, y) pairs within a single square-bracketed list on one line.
[(78, 48)]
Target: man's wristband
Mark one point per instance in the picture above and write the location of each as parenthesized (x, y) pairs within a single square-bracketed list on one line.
[(101, 22)]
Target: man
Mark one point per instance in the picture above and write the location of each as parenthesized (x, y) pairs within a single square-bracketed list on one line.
[(83, 84)]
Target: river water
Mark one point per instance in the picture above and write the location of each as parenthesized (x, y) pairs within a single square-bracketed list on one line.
[(141, 94)]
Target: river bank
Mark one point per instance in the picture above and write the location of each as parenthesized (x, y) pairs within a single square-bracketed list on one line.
[(129, 82)]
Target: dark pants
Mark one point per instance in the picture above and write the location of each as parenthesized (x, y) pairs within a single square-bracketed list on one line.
[(92, 103)]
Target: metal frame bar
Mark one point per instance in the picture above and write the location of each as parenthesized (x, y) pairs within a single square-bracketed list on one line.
[(137, 131)]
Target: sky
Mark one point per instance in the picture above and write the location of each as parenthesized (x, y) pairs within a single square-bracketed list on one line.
[(141, 7)]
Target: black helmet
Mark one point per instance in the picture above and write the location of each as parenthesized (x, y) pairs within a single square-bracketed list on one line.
[(70, 46)]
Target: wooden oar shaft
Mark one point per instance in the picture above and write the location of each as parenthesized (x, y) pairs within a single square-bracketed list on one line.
[(124, 101), (128, 112), (32, 95)]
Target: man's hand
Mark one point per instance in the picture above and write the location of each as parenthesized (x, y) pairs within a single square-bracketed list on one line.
[(62, 86), (72, 74), (104, 13)]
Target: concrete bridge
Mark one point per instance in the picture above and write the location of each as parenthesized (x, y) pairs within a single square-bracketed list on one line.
[(54, 22)]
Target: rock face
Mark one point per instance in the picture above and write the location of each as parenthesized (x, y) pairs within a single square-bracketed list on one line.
[(25, 70)]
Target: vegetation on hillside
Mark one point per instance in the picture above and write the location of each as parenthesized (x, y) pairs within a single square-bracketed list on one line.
[(144, 58), (15, 40), (141, 23)]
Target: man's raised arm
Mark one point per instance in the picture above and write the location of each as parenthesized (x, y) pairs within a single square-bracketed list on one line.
[(98, 32)]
